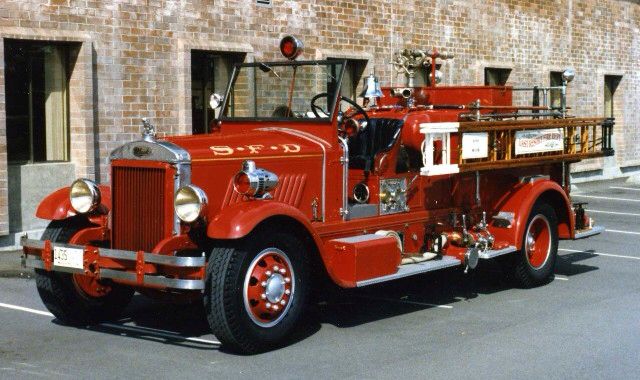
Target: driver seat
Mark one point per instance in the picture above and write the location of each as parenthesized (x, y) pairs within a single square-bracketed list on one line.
[(378, 136)]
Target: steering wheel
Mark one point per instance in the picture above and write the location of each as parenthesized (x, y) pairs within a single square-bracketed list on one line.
[(347, 118)]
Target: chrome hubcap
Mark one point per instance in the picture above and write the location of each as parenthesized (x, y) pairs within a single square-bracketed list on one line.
[(275, 288), (269, 287), (531, 242), (538, 242)]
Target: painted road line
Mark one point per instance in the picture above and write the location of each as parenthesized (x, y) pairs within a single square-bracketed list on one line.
[(561, 278), (405, 301), (612, 212), (28, 310), (607, 198), (139, 330), (598, 253), (623, 232), (624, 188)]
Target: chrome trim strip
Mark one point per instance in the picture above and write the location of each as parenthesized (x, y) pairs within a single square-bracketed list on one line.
[(184, 262), (173, 283), (321, 143), (413, 269), (152, 258), (32, 243), (344, 211), (489, 254), (595, 230)]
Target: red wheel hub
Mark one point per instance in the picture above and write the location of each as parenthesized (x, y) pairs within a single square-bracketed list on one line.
[(269, 287), (89, 286), (537, 242)]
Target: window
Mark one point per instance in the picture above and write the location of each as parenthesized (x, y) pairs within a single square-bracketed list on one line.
[(611, 83), (555, 96), (351, 77), (37, 101), (496, 76), (210, 72)]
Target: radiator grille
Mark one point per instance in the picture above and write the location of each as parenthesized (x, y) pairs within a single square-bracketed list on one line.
[(138, 210)]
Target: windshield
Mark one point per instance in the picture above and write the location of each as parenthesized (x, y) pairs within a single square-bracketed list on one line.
[(283, 91)]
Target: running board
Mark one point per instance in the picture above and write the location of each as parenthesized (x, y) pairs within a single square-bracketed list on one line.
[(491, 253), (590, 232), (413, 269)]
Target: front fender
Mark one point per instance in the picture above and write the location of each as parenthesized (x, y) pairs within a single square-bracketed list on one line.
[(56, 206), (238, 220), (521, 201)]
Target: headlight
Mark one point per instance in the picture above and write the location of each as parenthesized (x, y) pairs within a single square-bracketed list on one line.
[(84, 195), (189, 203)]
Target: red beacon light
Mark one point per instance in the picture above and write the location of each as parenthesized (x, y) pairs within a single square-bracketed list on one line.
[(291, 47)]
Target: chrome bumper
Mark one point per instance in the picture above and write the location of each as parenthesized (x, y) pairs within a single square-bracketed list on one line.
[(139, 258)]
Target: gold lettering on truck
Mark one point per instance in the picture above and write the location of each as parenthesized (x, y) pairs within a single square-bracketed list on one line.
[(221, 150)]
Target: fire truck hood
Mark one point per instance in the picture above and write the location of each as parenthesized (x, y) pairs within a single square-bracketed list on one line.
[(258, 143)]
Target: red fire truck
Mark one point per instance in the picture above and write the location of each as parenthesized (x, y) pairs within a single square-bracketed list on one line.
[(295, 182)]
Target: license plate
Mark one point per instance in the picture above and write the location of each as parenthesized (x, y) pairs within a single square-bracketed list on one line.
[(68, 257)]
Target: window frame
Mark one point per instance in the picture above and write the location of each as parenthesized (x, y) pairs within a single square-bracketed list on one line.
[(66, 57)]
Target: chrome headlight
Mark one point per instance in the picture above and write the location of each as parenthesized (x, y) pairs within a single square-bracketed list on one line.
[(189, 203), (84, 195)]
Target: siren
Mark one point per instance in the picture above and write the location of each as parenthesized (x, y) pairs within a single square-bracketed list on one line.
[(291, 47)]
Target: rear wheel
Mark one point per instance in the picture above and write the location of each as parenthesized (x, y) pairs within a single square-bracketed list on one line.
[(76, 299), (255, 295), (536, 260)]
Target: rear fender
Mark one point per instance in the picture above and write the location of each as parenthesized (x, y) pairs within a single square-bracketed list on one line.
[(520, 202), (56, 206)]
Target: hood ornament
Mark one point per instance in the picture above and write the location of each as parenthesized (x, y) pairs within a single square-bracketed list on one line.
[(148, 131)]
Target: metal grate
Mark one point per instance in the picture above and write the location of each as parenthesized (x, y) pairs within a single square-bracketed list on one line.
[(138, 217)]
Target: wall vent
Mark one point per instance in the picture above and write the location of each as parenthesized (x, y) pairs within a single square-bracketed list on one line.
[(263, 3)]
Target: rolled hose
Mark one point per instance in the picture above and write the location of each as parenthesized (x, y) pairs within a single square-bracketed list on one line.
[(406, 260)]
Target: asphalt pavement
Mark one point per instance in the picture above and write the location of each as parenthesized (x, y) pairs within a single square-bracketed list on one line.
[(584, 324)]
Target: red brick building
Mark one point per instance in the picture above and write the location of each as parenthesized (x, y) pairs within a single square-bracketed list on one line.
[(76, 76)]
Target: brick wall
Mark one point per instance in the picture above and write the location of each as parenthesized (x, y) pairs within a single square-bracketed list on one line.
[(134, 57)]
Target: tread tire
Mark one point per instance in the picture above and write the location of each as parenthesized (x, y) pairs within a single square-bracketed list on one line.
[(61, 296), (525, 275), (224, 299)]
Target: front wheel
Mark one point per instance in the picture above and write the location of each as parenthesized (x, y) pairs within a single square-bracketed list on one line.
[(536, 260), (255, 294), (76, 299)]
